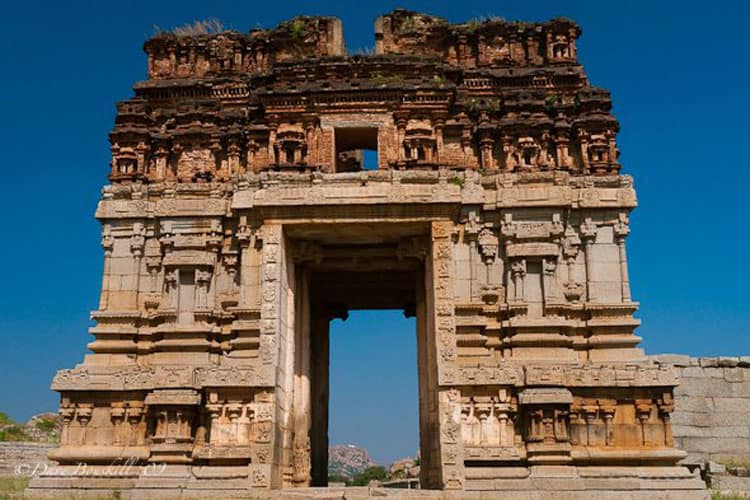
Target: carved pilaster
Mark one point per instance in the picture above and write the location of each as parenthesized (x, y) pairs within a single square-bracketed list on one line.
[(67, 413), (202, 282), (83, 416), (442, 279), (621, 230), (488, 245), (250, 282), (170, 288), (117, 416), (451, 441), (572, 289), (588, 235), (233, 156), (487, 146), (518, 276), (108, 243), (271, 291), (551, 290)]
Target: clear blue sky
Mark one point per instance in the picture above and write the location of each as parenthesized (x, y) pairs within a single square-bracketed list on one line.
[(678, 72)]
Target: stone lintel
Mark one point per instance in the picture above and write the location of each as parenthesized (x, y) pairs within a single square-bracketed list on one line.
[(173, 397), (532, 250), (545, 395)]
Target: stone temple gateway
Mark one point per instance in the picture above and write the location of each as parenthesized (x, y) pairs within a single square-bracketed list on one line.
[(243, 214)]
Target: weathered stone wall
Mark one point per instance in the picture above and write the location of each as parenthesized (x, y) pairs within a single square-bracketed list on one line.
[(712, 407), (21, 457)]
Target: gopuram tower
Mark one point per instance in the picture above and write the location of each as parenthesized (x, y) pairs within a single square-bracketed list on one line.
[(265, 183)]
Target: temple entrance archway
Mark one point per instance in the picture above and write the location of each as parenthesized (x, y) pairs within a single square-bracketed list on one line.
[(359, 267)]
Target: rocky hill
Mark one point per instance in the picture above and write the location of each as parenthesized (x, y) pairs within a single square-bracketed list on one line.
[(348, 460), (42, 428)]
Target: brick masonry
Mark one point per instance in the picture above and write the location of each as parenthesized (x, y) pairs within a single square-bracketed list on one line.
[(711, 420)]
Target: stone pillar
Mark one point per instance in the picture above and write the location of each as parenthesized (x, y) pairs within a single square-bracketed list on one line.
[(588, 235), (319, 364), (249, 268), (137, 245), (400, 136), (161, 157), (271, 337), (302, 382), (466, 136), (583, 139), (141, 152), (442, 321), (233, 157), (438, 124), (487, 144), (108, 243), (518, 273), (508, 149), (272, 143), (562, 156), (621, 231), (549, 270), (427, 391)]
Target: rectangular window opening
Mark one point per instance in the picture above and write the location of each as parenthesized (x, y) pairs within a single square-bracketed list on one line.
[(356, 149)]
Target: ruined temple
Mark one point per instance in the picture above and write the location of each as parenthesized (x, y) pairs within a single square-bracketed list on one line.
[(264, 183)]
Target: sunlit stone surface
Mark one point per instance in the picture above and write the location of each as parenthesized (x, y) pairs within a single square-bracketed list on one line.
[(241, 218)]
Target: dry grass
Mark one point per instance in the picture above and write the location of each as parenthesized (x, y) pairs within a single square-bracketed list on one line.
[(717, 495), (12, 487), (200, 27), (734, 462)]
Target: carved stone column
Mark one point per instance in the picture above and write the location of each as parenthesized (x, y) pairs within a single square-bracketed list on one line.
[(621, 230), (134, 417), (518, 273), (487, 145), (117, 416), (440, 294), (451, 442), (249, 267), (272, 126), (108, 243), (170, 288), (466, 135), (161, 158), (551, 291), (570, 247), (443, 297), (400, 136), (202, 280), (141, 152), (608, 411), (588, 235), (583, 139), (137, 245), (438, 124), (233, 156), (643, 413), (67, 413), (83, 415)]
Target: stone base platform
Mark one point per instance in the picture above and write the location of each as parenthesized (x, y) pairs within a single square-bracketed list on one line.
[(538, 483)]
